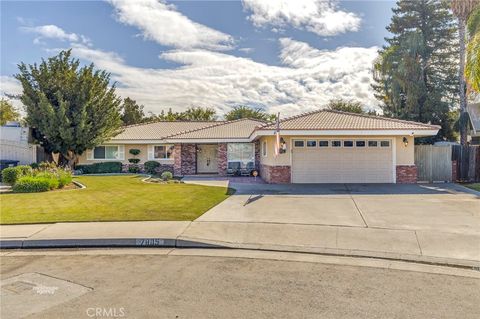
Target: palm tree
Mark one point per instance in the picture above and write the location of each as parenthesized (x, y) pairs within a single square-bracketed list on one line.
[(462, 9)]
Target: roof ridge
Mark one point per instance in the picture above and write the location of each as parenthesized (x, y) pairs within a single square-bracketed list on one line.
[(210, 126), (166, 121), (294, 117)]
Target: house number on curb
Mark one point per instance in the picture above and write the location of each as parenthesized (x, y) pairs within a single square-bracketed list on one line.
[(150, 242)]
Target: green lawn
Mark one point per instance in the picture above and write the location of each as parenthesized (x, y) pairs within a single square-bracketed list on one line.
[(111, 198), (475, 186)]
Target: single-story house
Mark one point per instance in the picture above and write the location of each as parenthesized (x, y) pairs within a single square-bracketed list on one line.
[(318, 147)]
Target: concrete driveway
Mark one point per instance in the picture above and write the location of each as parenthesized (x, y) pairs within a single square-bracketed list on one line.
[(430, 207)]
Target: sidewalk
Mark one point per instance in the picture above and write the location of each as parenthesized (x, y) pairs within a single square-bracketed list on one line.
[(419, 246)]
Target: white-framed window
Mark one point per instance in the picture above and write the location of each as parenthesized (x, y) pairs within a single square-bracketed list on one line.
[(348, 143), (264, 148), (164, 151), (109, 152), (311, 143), (372, 143), (384, 143), (360, 143), (322, 143), (298, 143), (336, 143)]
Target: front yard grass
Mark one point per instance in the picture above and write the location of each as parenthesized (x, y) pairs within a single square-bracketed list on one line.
[(111, 198), (475, 186)]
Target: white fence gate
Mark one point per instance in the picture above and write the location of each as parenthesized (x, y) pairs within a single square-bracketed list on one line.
[(18, 151)]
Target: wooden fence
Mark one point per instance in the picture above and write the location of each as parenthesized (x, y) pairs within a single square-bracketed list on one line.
[(434, 163), (467, 162)]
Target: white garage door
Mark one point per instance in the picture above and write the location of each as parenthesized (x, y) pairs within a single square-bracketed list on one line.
[(342, 161)]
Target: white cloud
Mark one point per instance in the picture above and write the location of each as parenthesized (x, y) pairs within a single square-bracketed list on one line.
[(162, 23), (308, 79), (11, 86), (319, 16), (51, 31)]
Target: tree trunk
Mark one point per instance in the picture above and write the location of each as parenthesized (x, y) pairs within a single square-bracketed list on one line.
[(72, 158), (461, 76)]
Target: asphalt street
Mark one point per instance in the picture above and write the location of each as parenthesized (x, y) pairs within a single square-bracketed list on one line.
[(150, 285)]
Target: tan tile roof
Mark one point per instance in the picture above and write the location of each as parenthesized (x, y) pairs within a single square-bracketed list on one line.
[(238, 129), (335, 120), (160, 130)]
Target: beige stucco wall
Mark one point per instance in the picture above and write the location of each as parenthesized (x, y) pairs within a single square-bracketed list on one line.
[(143, 156), (404, 154)]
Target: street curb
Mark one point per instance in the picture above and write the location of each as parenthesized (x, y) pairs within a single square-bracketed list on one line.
[(200, 243)]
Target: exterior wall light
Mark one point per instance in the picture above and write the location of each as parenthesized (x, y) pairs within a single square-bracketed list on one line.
[(405, 141), (283, 146)]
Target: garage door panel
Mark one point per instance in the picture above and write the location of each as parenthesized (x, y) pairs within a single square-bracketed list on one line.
[(342, 165)]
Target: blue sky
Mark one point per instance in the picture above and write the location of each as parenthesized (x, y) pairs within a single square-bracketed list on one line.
[(290, 57)]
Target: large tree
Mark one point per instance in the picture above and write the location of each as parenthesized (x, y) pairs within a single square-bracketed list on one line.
[(472, 67), (70, 107), (7, 112), (198, 114), (240, 112), (416, 75), (462, 9), (132, 113), (350, 106)]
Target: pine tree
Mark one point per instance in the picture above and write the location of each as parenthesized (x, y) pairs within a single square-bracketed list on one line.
[(416, 75)]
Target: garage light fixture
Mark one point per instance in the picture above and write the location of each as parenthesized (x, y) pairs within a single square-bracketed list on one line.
[(405, 141)]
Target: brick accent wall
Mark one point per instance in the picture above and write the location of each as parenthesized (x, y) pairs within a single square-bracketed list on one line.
[(177, 158), (275, 174), (454, 171), (189, 159), (222, 159), (406, 174)]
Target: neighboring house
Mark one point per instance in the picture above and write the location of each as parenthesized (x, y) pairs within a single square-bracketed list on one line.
[(318, 147), (474, 116), (15, 144)]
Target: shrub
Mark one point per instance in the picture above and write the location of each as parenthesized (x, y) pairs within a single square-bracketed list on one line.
[(151, 166), (134, 151), (34, 165), (11, 174), (52, 178), (133, 169), (31, 184), (167, 175), (134, 160), (47, 166), (99, 168), (64, 178)]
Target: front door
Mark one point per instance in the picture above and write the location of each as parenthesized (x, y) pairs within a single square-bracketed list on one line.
[(207, 158)]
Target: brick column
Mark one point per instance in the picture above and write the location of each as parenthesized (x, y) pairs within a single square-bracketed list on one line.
[(189, 159), (177, 160), (257, 155), (454, 171), (406, 174), (222, 159)]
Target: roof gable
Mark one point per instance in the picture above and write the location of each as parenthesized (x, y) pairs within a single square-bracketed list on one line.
[(336, 120)]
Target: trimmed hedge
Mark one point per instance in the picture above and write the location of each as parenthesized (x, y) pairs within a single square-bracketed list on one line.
[(99, 168), (32, 184), (167, 175), (10, 175), (150, 167)]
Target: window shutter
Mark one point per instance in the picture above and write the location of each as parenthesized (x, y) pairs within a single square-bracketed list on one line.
[(121, 152), (90, 154), (150, 152)]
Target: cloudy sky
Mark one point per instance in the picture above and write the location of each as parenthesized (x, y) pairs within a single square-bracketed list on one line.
[(282, 55)]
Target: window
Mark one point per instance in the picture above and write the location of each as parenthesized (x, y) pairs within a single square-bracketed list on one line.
[(163, 151), (264, 148), (240, 157), (105, 152), (385, 143), (298, 143), (347, 143), (336, 143), (311, 143), (322, 143), (360, 143), (372, 143)]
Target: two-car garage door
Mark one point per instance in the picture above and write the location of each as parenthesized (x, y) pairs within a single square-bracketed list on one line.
[(342, 161)]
